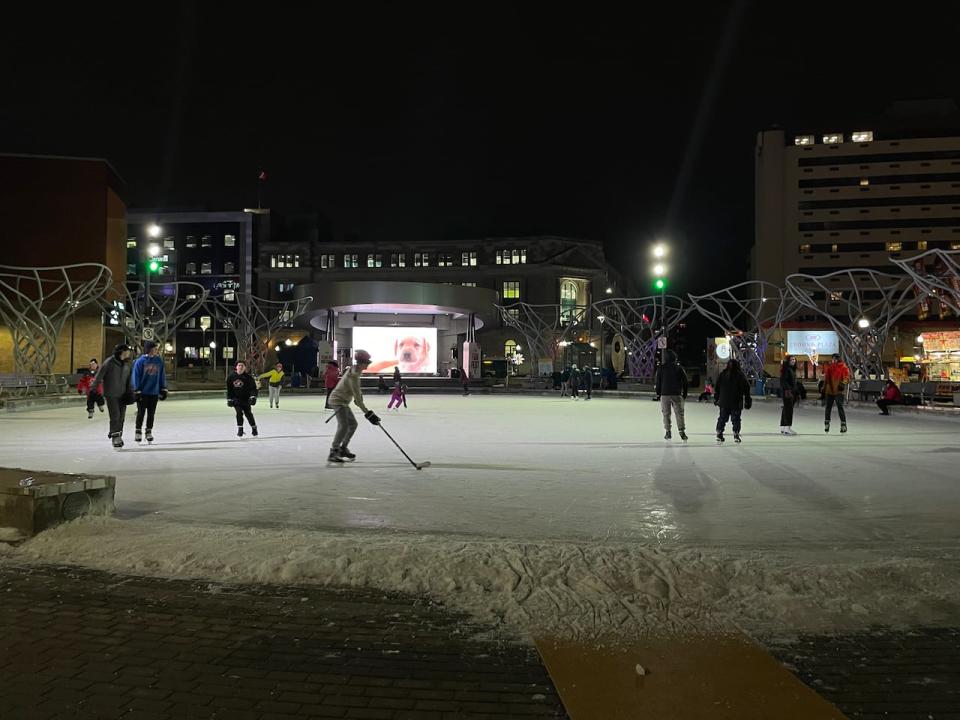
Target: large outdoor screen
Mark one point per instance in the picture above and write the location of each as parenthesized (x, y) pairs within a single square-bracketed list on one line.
[(412, 349), (812, 342)]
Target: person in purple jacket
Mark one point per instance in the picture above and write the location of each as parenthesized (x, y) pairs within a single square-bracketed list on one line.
[(149, 386)]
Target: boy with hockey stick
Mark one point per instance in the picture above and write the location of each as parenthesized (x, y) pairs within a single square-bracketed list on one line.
[(347, 391)]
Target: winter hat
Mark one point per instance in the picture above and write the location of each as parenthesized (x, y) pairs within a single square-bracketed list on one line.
[(118, 350), (148, 345), (361, 356)]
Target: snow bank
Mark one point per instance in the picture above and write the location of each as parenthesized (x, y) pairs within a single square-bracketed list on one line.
[(570, 590)]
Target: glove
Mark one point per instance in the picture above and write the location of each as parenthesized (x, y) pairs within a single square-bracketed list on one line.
[(372, 417), (230, 402), (253, 400), (163, 394)]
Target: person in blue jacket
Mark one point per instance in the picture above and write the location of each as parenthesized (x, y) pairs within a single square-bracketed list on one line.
[(149, 386)]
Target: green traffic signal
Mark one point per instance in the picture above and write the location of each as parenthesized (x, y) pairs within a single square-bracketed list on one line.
[(660, 283), (153, 266)]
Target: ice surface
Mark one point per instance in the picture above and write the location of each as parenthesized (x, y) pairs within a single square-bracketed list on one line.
[(550, 514)]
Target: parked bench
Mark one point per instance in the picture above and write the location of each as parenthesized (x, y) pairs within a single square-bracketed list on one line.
[(930, 391), (869, 389), (19, 385)]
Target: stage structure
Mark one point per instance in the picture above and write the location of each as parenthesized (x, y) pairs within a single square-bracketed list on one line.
[(936, 274), (545, 329), (155, 316), (641, 322), (747, 314), (253, 321), (35, 303), (861, 305)]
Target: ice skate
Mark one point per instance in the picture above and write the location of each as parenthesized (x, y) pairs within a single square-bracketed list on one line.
[(843, 428), (334, 457), (90, 414), (345, 454), (239, 432), (149, 436), (100, 407), (668, 435), (117, 441), (683, 435), (788, 430), (826, 427), (720, 437), (138, 435), (736, 437), (253, 431)]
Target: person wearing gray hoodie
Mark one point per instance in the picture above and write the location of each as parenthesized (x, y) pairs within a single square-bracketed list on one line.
[(117, 378)]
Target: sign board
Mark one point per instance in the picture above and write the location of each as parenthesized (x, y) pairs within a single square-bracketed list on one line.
[(662, 342), (148, 334), (722, 348), (946, 341), (812, 343), (324, 352)]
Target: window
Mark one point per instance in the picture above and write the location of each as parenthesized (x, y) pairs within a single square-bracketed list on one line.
[(131, 269), (205, 322), (190, 352), (131, 242), (370, 261), (864, 182), (330, 261), (862, 136), (284, 261), (510, 348), (894, 246), (836, 295), (805, 248), (228, 268), (425, 257), (205, 352), (803, 140), (511, 289), (444, 260), (191, 296), (229, 240), (190, 242), (206, 268), (955, 245), (165, 270), (464, 259), (568, 301), (284, 287), (379, 260), (833, 248), (921, 245), (499, 258), (228, 352), (229, 296), (191, 268), (513, 313), (416, 259), (206, 241), (287, 316), (393, 260), (353, 260), (403, 259), (169, 243), (191, 323), (833, 139), (468, 284)]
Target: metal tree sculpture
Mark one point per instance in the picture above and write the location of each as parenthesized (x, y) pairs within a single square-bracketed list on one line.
[(941, 279), (36, 301), (161, 313), (254, 320), (641, 321), (747, 313), (861, 306), (545, 328)]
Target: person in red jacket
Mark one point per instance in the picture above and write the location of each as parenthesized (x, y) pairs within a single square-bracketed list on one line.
[(891, 396), (836, 377), (94, 394), (331, 376)]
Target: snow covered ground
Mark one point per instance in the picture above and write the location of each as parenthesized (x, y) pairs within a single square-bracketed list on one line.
[(552, 515)]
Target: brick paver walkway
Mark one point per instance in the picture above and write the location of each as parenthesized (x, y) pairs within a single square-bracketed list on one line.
[(81, 644)]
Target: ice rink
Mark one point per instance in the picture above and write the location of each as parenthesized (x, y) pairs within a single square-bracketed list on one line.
[(525, 467)]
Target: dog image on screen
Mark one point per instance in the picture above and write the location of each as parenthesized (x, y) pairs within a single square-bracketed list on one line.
[(413, 355)]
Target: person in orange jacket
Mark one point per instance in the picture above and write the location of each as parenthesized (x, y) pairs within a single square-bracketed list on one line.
[(836, 377)]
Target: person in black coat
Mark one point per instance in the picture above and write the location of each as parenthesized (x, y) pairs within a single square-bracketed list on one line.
[(241, 396), (788, 388), (731, 396), (586, 381)]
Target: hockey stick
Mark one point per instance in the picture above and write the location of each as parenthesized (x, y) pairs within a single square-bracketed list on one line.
[(418, 466)]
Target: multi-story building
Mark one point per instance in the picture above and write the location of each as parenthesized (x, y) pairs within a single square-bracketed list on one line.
[(213, 249), (845, 199), (567, 272)]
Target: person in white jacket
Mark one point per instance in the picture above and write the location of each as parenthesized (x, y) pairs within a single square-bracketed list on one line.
[(347, 391)]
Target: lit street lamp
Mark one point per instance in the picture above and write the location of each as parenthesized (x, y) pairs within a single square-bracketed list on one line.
[(154, 230), (659, 271), (863, 323)]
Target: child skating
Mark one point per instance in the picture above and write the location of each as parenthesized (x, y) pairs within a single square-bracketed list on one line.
[(347, 391), (398, 396), (241, 396)]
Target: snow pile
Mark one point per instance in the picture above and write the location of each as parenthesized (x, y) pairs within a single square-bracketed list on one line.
[(562, 589)]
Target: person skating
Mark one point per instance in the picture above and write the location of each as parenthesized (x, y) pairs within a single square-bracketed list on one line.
[(116, 378), (708, 391), (242, 396), (565, 382), (732, 396), (671, 388), (93, 392), (382, 384), (575, 382), (274, 383), (788, 389), (835, 378), (347, 391), (331, 376), (149, 386), (397, 396), (891, 396), (586, 381), (465, 381)]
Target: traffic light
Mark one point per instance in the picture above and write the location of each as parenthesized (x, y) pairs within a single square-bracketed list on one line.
[(660, 283), (153, 265)]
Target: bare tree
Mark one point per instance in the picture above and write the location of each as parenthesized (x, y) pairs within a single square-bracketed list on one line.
[(937, 275), (160, 314), (545, 328)]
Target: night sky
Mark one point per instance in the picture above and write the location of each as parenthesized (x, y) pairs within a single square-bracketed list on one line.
[(396, 122)]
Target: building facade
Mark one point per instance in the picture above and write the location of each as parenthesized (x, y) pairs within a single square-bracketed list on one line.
[(840, 200), (213, 249), (561, 271)]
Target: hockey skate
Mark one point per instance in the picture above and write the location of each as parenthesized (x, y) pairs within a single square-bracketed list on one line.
[(117, 441), (253, 431), (334, 457), (89, 414), (736, 437), (826, 427), (138, 435), (347, 455), (668, 436), (720, 437), (843, 427), (240, 431), (149, 436), (683, 435)]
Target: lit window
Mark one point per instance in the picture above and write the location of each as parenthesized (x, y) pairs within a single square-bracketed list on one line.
[(331, 263), (464, 259), (205, 352), (523, 257), (353, 261), (403, 259), (228, 352), (894, 246), (511, 289), (228, 268), (287, 316), (473, 259), (862, 136), (191, 296), (190, 352), (416, 259), (323, 262), (499, 259), (393, 260), (229, 240), (379, 260), (921, 245), (426, 259), (131, 269), (513, 313), (206, 268), (190, 242), (369, 260), (283, 287), (169, 243), (468, 284), (805, 248), (568, 301), (229, 296), (191, 323), (206, 241), (864, 182), (131, 242), (836, 295), (346, 261), (510, 348), (191, 268), (833, 139), (516, 257), (804, 140), (955, 245), (833, 248)]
